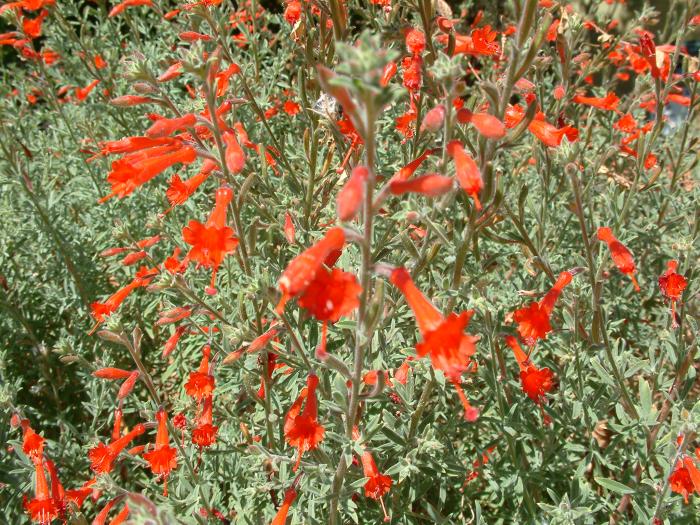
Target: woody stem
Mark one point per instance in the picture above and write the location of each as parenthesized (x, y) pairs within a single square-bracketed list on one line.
[(211, 104), (598, 319), (362, 337)]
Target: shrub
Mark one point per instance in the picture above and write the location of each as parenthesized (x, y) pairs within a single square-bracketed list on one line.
[(339, 262)]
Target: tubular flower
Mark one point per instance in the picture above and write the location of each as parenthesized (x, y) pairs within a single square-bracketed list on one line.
[(137, 168), (32, 443), (289, 230), (672, 285), (450, 349), (82, 93), (685, 478), (536, 382), (549, 134), (62, 497), (331, 295), (163, 458), (172, 341), (166, 126), (377, 483), (204, 434), (235, 157), (281, 517), (533, 319), (212, 241), (620, 254), (486, 124), (42, 508), (102, 456), (608, 102), (302, 429), (119, 8), (201, 384), (433, 119), (467, 171), (300, 272), (481, 42), (432, 185), (351, 195), (101, 310)]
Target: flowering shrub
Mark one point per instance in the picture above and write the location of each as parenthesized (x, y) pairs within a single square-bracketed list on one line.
[(345, 262)]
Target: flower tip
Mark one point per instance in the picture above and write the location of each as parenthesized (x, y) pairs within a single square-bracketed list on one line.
[(210, 290), (471, 414)]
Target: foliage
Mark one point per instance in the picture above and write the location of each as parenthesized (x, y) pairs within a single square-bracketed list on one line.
[(336, 100)]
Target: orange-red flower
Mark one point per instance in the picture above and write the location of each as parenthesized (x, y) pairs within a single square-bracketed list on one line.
[(672, 285), (536, 382), (201, 384), (685, 478), (431, 185), (300, 272), (102, 456), (444, 339), (481, 42), (467, 171), (166, 126), (350, 197), (377, 484), (488, 125), (163, 458), (533, 319), (281, 517), (101, 310), (212, 241), (204, 434), (42, 508), (137, 168), (301, 428), (120, 7), (620, 254), (608, 102), (32, 443)]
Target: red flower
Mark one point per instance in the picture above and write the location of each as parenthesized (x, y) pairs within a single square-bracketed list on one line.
[(685, 478), (212, 241), (302, 429), (415, 41), (235, 156), (289, 230), (82, 93), (450, 349), (351, 196), (621, 256), (172, 341), (608, 102), (300, 272), (163, 458), (201, 384), (32, 443), (128, 3), (432, 185), (481, 42), (281, 517), (536, 382), (42, 508), (433, 119), (533, 319), (204, 434), (166, 126), (467, 171), (101, 310), (136, 169), (377, 484), (672, 285), (488, 125), (102, 456)]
